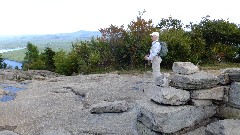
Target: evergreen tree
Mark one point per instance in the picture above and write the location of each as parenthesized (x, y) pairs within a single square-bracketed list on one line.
[(32, 53), (31, 56), (48, 56)]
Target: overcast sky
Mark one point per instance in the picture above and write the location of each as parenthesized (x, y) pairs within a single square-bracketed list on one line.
[(60, 16)]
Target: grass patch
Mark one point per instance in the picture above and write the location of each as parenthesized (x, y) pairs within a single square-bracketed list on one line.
[(218, 66), (205, 67)]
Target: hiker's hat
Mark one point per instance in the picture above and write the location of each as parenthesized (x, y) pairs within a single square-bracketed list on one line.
[(155, 34)]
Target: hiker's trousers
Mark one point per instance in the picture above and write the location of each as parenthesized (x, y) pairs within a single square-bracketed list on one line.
[(156, 67)]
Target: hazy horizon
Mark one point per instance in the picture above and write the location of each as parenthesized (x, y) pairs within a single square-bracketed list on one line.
[(45, 34), (39, 17)]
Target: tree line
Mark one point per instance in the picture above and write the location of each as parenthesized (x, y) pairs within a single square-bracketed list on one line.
[(118, 48)]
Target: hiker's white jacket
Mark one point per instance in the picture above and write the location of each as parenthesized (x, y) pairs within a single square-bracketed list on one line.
[(155, 49)]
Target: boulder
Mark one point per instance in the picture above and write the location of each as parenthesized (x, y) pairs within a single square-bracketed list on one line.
[(234, 95), (199, 80), (163, 80), (170, 119), (184, 68), (109, 107), (228, 112), (233, 73), (169, 95), (215, 93), (224, 127)]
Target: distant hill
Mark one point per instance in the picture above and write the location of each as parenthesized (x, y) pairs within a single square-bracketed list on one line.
[(55, 41), (48, 39)]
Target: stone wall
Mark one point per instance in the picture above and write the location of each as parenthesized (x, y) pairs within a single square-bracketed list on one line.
[(230, 107), (193, 100)]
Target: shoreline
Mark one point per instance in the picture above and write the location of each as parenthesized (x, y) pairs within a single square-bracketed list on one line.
[(10, 50)]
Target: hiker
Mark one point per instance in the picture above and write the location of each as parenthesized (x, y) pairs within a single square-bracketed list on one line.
[(154, 55)]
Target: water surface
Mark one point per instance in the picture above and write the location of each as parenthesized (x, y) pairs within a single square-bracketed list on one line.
[(11, 91), (13, 64)]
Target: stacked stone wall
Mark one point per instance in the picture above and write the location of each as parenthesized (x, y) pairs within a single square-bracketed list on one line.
[(193, 100)]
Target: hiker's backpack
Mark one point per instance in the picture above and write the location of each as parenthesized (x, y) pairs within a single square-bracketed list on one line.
[(164, 49)]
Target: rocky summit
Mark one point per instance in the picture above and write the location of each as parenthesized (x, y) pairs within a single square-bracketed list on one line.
[(53, 104), (39, 102)]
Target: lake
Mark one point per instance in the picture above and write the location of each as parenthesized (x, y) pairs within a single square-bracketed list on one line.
[(13, 64)]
